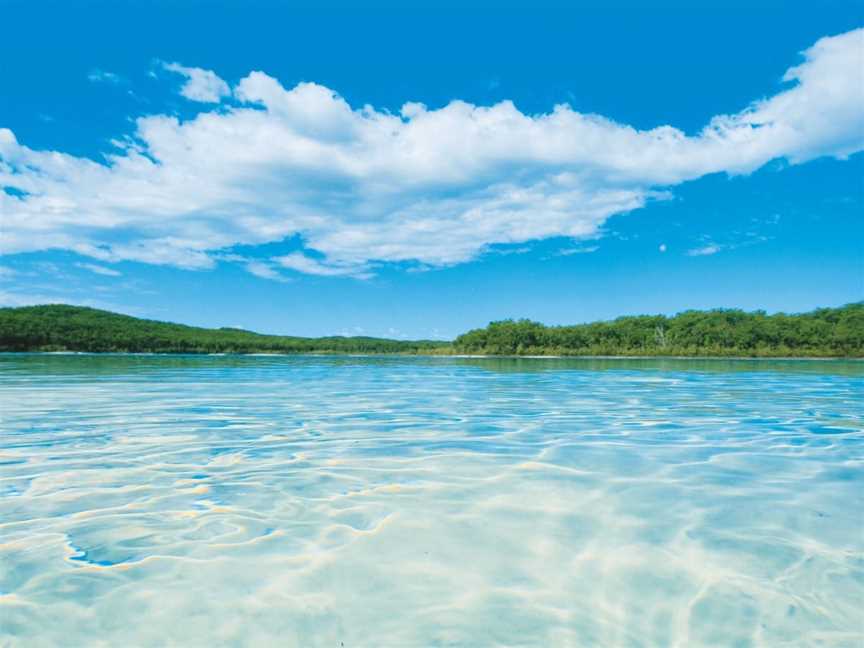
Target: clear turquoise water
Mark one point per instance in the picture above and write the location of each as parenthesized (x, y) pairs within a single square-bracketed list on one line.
[(308, 501)]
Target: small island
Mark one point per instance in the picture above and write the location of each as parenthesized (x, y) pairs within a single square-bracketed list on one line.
[(825, 332)]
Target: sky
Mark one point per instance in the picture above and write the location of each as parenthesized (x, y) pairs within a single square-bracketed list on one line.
[(415, 170)]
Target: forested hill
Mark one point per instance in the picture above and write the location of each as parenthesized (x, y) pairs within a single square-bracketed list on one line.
[(73, 328), (834, 332)]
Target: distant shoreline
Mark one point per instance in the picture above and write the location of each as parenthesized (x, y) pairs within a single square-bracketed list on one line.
[(456, 356), (722, 333)]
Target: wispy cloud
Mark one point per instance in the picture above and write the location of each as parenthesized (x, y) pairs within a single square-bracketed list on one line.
[(706, 250), (32, 297), (98, 269), (103, 76), (577, 250), (263, 268), (7, 273), (265, 271), (509, 249), (353, 332), (302, 263), (362, 187), (711, 247)]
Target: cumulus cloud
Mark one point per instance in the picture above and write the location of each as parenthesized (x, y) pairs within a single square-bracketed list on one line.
[(361, 186), (201, 85)]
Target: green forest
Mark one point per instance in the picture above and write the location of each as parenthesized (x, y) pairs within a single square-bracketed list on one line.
[(826, 332), (73, 328)]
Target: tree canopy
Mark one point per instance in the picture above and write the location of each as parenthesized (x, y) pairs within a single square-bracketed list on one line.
[(72, 328), (837, 332), (826, 332)]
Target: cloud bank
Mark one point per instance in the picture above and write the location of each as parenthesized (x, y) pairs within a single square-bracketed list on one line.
[(361, 186)]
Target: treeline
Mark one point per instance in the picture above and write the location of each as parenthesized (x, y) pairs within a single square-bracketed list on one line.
[(826, 332), (73, 328)]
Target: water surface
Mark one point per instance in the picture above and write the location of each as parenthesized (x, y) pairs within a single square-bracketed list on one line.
[(397, 501)]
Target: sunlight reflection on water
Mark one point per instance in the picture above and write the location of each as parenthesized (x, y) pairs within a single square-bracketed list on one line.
[(393, 501)]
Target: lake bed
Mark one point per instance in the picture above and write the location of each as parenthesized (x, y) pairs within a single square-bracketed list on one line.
[(425, 501)]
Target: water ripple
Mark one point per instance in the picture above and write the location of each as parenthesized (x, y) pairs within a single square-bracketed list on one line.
[(314, 501)]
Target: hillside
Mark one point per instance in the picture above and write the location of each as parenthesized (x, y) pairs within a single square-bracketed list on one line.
[(74, 328), (826, 332)]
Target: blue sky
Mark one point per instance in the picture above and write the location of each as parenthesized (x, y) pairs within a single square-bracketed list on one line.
[(402, 169)]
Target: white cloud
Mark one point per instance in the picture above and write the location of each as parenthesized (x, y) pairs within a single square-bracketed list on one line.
[(705, 250), (744, 239), (305, 264), (101, 76), (201, 85), (259, 267), (362, 186), (13, 299), (264, 270), (98, 269), (6, 273), (578, 250)]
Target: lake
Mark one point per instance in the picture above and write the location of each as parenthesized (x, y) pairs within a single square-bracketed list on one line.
[(404, 501)]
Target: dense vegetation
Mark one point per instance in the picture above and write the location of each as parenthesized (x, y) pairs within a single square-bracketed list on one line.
[(834, 332), (837, 332), (72, 328)]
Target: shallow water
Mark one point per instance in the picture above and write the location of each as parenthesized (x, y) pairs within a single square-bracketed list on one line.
[(321, 501)]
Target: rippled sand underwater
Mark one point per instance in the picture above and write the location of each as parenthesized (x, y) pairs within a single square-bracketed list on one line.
[(321, 501)]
